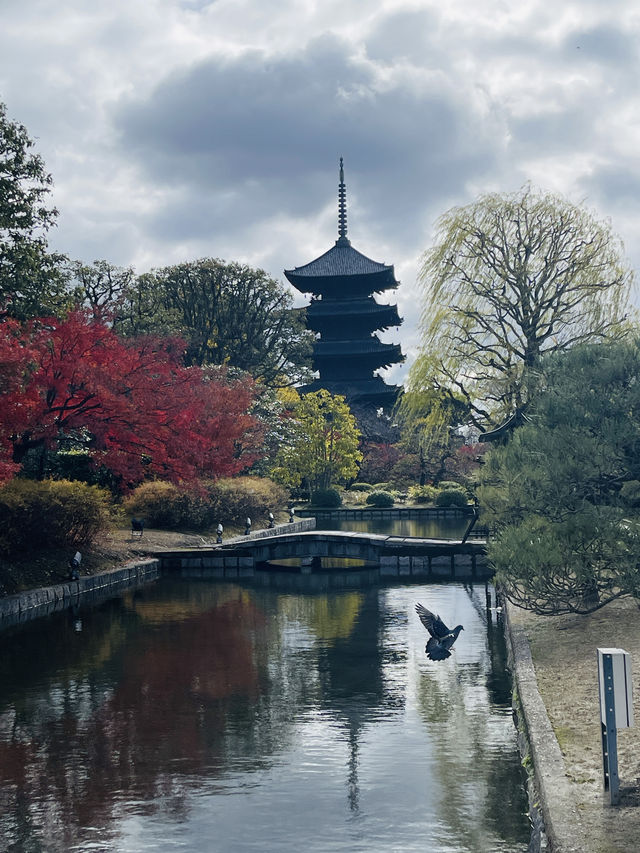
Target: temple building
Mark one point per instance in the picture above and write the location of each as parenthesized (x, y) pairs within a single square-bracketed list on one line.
[(345, 316)]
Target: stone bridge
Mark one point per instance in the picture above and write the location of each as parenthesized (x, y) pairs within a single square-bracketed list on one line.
[(394, 555)]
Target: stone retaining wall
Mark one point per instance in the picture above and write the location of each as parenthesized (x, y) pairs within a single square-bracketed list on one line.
[(211, 563), (39, 602), (453, 565), (559, 827)]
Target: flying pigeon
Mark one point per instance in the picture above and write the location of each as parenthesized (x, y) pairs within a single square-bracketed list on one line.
[(442, 638)]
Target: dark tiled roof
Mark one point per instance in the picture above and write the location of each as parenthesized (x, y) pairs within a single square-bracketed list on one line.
[(373, 388), (352, 307), (362, 347), (341, 259)]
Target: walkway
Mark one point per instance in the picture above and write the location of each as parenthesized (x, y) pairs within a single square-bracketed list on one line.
[(395, 555)]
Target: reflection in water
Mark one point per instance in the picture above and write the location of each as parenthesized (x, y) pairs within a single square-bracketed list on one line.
[(422, 527), (214, 716)]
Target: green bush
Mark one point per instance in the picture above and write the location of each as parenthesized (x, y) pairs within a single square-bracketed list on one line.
[(361, 487), (448, 485), (451, 497), (169, 507), (326, 498), (423, 494), (630, 493), (228, 501), (380, 499), (35, 515), (235, 499)]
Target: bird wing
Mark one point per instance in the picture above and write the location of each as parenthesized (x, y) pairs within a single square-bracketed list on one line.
[(434, 624)]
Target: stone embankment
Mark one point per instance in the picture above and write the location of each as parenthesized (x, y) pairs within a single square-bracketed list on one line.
[(39, 602), (555, 819)]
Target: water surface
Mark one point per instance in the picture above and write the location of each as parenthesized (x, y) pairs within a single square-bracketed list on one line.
[(425, 527), (195, 715)]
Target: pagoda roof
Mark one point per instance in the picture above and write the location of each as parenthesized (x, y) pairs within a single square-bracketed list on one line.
[(362, 347), (351, 308), (373, 390), (341, 259), (341, 262)]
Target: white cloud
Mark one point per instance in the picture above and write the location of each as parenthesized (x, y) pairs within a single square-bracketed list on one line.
[(183, 128)]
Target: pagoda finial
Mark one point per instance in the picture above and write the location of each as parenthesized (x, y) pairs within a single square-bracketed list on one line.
[(342, 210)]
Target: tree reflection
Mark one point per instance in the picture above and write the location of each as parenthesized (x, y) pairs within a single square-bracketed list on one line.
[(191, 684), (478, 775)]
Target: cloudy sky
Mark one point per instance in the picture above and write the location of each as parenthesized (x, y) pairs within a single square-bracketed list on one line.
[(177, 129)]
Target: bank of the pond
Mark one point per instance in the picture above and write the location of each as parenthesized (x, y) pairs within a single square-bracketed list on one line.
[(114, 548), (555, 674)]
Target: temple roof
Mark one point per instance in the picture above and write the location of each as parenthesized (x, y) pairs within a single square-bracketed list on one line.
[(351, 308), (341, 260), (373, 390), (358, 347)]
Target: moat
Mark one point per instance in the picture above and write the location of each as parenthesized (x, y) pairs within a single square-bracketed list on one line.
[(246, 716)]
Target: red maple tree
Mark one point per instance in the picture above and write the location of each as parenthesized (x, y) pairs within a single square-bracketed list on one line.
[(132, 404)]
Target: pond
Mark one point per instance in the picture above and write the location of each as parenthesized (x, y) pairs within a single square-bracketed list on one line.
[(219, 716), (424, 527)]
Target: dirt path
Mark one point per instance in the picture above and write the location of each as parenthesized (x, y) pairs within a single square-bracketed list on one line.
[(564, 655)]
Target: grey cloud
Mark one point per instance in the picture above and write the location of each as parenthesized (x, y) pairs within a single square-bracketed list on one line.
[(409, 35), (604, 44), (554, 132), (260, 136), (614, 186)]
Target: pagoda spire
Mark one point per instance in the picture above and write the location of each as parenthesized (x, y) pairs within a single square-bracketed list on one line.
[(342, 210)]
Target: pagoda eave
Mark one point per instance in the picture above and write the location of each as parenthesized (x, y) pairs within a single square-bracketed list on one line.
[(367, 392), (343, 285)]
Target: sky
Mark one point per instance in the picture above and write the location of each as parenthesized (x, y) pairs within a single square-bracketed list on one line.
[(181, 129)]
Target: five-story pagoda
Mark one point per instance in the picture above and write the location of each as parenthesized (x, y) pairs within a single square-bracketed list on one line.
[(345, 315)]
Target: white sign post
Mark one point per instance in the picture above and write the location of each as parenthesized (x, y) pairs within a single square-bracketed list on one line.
[(616, 711)]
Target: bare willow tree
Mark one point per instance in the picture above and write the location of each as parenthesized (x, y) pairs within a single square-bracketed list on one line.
[(513, 277)]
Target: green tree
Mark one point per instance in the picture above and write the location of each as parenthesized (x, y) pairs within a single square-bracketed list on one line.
[(324, 449), (31, 281), (228, 313), (512, 277), (428, 420), (102, 287), (562, 492)]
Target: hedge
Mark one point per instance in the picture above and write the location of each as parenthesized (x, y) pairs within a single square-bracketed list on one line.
[(380, 499), (36, 515)]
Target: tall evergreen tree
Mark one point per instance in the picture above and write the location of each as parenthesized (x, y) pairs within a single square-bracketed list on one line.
[(563, 493), (31, 281)]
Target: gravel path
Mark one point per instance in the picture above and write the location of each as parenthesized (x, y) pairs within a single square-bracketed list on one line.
[(564, 656)]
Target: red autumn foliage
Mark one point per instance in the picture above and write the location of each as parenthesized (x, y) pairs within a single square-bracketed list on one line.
[(378, 461), (139, 411)]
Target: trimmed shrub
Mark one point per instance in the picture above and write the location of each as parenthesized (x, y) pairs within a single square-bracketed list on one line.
[(423, 494), (35, 515), (326, 498), (630, 493), (228, 500), (451, 484), (380, 499), (361, 487), (234, 498), (451, 497), (168, 507)]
